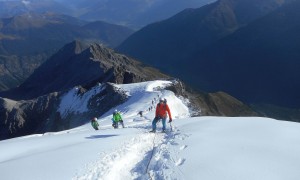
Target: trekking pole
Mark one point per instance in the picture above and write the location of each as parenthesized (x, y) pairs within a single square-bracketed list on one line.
[(171, 126)]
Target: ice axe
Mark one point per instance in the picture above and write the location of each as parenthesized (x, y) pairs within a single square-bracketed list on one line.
[(171, 127)]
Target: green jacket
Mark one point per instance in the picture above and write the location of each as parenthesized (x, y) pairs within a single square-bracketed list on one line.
[(94, 124), (117, 117)]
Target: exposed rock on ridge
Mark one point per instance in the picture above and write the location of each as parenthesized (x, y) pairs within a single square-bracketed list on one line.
[(40, 115)]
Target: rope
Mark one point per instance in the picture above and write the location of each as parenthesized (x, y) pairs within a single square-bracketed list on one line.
[(152, 152)]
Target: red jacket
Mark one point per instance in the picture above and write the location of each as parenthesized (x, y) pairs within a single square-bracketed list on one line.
[(161, 110)]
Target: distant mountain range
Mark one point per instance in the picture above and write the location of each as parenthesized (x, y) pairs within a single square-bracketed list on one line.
[(247, 48), (132, 13), (48, 30), (9, 8), (27, 40)]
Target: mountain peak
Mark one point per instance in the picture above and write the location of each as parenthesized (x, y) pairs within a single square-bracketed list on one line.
[(75, 46), (80, 63)]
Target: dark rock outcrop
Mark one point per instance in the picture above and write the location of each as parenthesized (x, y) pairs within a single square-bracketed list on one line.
[(211, 104), (25, 117)]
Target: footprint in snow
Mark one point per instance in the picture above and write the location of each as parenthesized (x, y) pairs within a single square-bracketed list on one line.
[(181, 136), (183, 147), (180, 162)]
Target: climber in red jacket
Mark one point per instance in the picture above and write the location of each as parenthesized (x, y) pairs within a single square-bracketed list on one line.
[(162, 109)]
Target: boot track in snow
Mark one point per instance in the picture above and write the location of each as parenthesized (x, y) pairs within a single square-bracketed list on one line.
[(146, 156)]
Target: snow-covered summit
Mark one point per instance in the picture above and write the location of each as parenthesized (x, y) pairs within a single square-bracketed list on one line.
[(207, 148)]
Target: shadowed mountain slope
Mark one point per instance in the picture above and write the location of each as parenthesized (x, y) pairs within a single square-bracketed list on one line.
[(244, 47), (260, 62)]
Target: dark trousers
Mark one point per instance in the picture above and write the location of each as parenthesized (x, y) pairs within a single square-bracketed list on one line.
[(116, 124)]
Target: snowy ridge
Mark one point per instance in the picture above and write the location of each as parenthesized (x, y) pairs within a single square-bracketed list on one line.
[(140, 98), (72, 101), (210, 148)]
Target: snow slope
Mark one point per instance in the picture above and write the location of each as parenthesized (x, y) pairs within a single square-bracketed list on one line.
[(208, 148)]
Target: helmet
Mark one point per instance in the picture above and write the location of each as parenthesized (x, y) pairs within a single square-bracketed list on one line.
[(115, 111), (95, 118), (161, 100)]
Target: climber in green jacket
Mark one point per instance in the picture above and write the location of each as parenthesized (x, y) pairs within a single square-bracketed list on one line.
[(94, 123), (117, 118)]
